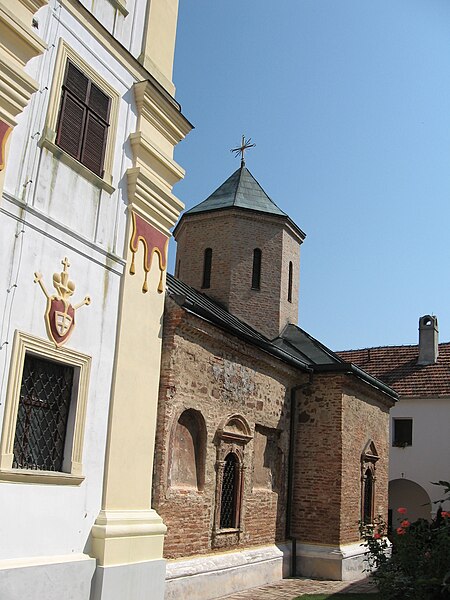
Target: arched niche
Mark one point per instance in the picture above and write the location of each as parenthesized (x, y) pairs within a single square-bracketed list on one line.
[(188, 451)]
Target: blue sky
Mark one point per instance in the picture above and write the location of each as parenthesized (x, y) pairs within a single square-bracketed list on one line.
[(348, 102)]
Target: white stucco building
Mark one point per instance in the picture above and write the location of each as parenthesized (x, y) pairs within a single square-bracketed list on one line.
[(419, 434), (88, 123)]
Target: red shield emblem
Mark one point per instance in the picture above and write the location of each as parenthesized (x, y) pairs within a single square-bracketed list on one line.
[(60, 320)]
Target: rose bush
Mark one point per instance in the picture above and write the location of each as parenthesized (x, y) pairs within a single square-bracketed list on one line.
[(417, 566)]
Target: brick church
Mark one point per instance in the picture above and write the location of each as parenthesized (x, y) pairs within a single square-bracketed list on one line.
[(269, 447)]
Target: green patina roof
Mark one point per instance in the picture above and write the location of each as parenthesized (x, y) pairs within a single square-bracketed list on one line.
[(240, 190)]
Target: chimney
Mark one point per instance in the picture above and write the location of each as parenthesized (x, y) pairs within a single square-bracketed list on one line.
[(428, 340)]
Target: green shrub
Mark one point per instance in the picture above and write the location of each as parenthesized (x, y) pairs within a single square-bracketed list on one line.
[(417, 566)]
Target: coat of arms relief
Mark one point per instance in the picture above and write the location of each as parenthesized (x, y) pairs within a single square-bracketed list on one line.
[(60, 313)]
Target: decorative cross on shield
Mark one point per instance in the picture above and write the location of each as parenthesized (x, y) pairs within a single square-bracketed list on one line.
[(60, 314)]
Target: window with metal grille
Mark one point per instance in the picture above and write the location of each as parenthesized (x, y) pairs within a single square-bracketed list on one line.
[(43, 411), (256, 271), (83, 119), (229, 492), (368, 497), (207, 264), (402, 432)]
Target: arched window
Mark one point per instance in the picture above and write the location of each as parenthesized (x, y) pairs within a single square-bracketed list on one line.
[(369, 458), (368, 498), (289, 294), (256, 272), (231, 438), (229, 495), (207, 263), (187, 466)]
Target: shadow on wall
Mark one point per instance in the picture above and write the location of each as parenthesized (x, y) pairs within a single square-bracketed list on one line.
[(410, 495)]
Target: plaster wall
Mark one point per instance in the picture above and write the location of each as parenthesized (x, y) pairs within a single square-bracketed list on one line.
[(41, 519), (426, 460), (48, 211)]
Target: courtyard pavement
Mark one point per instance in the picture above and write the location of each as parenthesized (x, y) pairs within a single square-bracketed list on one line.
[(287, 589)]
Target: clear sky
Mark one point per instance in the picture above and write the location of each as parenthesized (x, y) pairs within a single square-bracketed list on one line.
[(348, 102)]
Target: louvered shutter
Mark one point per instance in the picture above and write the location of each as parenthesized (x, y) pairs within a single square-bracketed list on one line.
[(94, 144), (83, 120), (71, 126)]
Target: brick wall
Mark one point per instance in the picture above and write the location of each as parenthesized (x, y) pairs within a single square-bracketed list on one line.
[(318, 462), (233, 235), (218, 375), (365, 417), (336, 418)]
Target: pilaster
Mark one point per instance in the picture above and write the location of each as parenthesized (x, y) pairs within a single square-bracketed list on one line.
[(127, 532)]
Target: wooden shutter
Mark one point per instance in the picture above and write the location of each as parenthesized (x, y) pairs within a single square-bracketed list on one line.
[(94, 144), (71, 125), (83, 120)]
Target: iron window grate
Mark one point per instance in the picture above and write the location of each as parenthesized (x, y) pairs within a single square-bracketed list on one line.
[(228, 500), (44, 404)]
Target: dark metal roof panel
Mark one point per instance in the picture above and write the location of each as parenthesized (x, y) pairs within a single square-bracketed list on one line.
[(240, 190)]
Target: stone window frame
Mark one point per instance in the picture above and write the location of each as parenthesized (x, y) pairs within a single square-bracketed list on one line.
[(232, 436), (48, 138), (23, 344), (369, 458), (201, 458)]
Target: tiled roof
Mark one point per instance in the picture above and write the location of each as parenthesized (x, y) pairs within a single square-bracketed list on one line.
[(240, 190), (397, 367)]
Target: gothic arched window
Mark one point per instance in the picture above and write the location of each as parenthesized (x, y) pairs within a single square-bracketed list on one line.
[(256, 271), (207, 263)]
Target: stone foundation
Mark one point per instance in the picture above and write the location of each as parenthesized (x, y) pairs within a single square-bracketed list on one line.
[(216, 575)]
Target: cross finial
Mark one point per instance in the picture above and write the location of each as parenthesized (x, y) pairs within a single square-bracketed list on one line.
[(65, 263), (242, 148)]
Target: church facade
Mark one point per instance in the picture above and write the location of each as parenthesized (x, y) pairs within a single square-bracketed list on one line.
[(269, 447)]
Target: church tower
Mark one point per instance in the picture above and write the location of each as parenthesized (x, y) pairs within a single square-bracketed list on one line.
[(241, 250)]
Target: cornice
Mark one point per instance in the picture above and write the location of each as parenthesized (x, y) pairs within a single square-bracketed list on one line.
[(25, 43), (148, 199), (165, 117), (16, 88)]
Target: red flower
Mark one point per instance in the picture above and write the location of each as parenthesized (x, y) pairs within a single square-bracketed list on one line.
[(445, 513), (377, 536), (400, 531), (402, 510), (405, 523)]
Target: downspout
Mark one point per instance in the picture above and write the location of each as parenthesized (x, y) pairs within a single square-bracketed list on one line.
[(290, 473)]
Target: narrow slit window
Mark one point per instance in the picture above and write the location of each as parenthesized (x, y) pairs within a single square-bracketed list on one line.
[(289, 295), (256, 272), (228, 507), (207, 264), (368, 497)]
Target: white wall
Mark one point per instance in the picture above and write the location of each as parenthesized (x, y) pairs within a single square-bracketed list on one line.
[(427, 459), (49, 212)]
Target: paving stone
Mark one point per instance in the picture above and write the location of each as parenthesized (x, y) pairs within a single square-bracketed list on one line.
[(287, 589)]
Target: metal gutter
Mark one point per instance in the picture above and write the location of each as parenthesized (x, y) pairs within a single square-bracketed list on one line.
[(351, 369)]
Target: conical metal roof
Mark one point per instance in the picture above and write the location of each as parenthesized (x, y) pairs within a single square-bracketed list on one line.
[(240, 190)]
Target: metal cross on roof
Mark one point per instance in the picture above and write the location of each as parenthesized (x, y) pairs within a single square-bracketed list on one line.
[(242, 148)]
